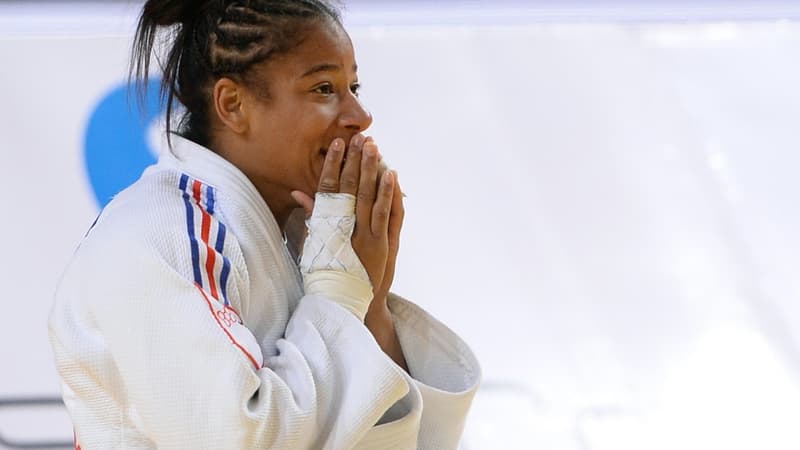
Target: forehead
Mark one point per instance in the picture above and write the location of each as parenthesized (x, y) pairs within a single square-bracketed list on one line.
[(324, 43)]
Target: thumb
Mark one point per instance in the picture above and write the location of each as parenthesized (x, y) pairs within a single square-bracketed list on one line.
[(305, 201)]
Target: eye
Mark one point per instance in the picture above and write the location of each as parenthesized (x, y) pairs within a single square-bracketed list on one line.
[(324, 89), (355, 88)]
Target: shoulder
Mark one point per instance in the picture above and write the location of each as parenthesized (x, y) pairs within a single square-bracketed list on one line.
[(171, 220)]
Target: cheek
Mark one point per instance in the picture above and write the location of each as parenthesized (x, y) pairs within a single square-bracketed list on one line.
[(320, 120), (293, 139)]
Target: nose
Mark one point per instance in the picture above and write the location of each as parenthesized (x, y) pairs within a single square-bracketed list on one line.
[(354, 116)]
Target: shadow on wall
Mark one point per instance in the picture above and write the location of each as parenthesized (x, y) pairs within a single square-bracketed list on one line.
[(32, 406)]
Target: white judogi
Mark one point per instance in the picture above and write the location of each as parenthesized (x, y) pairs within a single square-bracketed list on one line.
[(181, 323)]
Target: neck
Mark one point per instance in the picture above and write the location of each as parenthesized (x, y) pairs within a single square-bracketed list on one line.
[(277, 197), (281, 206)]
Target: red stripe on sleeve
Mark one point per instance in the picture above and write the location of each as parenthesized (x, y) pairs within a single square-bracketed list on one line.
[(211, 255), (230, 336)]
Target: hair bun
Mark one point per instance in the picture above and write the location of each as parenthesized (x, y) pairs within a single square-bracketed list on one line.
[(172, 12)]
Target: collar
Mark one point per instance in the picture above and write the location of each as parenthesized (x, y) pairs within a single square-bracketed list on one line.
[(199, 162), (196, 161)]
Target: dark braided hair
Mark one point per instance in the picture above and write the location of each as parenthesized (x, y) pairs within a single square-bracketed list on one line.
[(211, 39)]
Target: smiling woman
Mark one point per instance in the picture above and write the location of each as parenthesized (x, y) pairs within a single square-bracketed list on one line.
[(198, 314), (303, 101)]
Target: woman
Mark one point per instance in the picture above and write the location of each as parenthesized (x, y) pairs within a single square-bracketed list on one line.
[(183, 320)]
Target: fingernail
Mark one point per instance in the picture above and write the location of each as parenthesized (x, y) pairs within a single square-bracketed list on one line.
[(358, 140), (337, 144), (387, 177)]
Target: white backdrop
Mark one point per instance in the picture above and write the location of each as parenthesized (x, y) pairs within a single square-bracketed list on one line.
[(606, 212)]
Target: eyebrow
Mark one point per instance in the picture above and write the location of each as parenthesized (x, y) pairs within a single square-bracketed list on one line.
[(325, 67)]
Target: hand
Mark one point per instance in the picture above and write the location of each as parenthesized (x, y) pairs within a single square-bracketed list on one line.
[(379, 318), (358, 176)]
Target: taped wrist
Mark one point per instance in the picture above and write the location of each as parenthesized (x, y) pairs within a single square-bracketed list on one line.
[(329, 265)]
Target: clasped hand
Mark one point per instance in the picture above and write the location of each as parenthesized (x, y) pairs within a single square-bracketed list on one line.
[(379, 210)]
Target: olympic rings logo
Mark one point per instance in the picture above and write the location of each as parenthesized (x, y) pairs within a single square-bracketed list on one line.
[(228, 316)]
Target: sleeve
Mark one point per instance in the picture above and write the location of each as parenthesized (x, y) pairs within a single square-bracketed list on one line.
[(194, 378), (443, 369)]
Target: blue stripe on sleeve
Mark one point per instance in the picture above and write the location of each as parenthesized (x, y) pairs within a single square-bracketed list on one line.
[(220, 244), (210, 200), (226, 264), (223, 284)]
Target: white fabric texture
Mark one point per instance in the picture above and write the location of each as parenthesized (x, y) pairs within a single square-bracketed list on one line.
[(181, 323), (329, 264)]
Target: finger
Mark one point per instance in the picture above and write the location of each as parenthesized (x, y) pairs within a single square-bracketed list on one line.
[(367, 185), (396, 216), (348, 183), (382, 209), (306, 202), (329, 180), (381, 164)]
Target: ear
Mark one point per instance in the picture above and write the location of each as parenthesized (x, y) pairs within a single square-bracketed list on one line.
[(229, 103)]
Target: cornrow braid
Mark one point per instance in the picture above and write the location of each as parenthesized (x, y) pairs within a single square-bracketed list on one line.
[(211, 39)]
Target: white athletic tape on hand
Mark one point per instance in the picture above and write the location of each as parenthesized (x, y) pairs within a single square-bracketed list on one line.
[(329, 265)]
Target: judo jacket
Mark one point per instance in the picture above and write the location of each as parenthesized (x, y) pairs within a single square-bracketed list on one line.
[(182, 323)]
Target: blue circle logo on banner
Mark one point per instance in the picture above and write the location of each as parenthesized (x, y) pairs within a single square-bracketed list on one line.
[(116, 148)]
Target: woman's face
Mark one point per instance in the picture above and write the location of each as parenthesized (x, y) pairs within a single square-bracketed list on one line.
[(312, 99)]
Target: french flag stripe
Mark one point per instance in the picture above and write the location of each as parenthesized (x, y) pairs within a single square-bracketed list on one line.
[(205, 230), (208, 272), (198, 278), (200, 203), (219, 246)]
